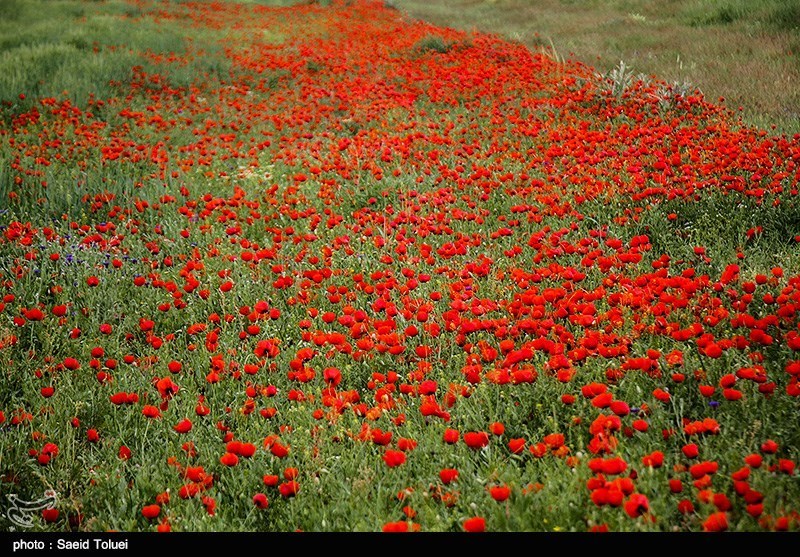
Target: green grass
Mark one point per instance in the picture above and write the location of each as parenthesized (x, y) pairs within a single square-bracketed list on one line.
[(64, 50), (774, 15)]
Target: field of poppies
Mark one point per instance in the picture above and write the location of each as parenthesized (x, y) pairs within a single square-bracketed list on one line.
[(322, 267)]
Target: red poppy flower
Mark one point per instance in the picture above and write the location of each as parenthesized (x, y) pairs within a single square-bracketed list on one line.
[(755, 510), (187, 491), (332, 376), (246, 450), (394, 458), (124, 453), (260, 501), (166, 387), (661, 395), (210, 504), (451, 436), (476, 439), (229, 459), (611, 466), (474, 524), (405, 444), (685, 506), (517, 445), (50, 515), (637, 505), (769, 447), (291, 473), (122, 398), (71, 364), (554, 440), (786, 466), (722, 502), (381, 437), (399, 526), (654, 459), (34, 314), (731, 394), (690, 450), (602, 400), (538, 450), (279, 450), (716, 522), (448, 475), (620, 408), (184, 426), (707, 390), (151, 411), (151, 511), (500, 493), (599, 496), (289, 489)]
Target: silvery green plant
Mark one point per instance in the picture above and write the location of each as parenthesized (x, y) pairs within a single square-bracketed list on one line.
[(618, 80), (668, 94)]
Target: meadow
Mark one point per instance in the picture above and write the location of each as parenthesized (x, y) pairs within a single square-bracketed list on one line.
[(743, 53), (323, 266)]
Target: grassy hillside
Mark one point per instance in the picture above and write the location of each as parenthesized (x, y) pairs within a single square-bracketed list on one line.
[(745, 51)]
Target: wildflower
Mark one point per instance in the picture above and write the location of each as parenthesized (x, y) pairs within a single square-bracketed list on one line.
[(291, 473), (517, 445), (500, 493), (690, 450), (399, 526), (654, 459), (637, 505), (716, 522), (184, 426), (476, 439), (151, 411), (769, 447), (448, 475), (394, 458), (151, 511), (229, 459), (685, 506), (289, 489), (474, 524), (451, 436)]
